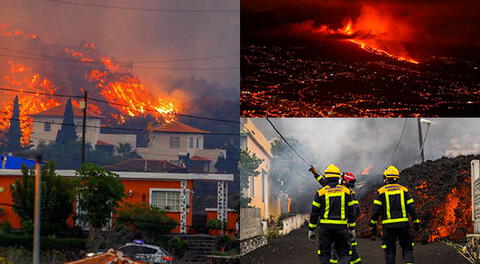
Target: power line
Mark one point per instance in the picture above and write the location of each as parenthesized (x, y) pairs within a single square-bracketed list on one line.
[(136, 66), (286, 142), (118, 104), (154, 110), (213, 57), (396, 146), (40, 93), (163, 10)]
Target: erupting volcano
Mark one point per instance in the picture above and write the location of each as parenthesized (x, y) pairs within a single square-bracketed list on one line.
[(374, 30), (120, 94)]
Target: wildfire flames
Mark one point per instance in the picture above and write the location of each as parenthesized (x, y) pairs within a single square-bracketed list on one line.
[(373, 31), (104, 79)]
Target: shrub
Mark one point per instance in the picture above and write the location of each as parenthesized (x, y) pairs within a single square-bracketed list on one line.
[(176, 246), (151, 222), (214, 224), (225, 241), (73, 244), (6, 227)]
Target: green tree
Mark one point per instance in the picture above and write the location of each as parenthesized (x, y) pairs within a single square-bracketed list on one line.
[(99, 195), (14, 133), (151, 222), (125, 152), (67, 131), (57, 198), (248, 166)]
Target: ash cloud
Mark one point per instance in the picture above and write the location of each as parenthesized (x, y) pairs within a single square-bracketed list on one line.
[(134, 35), (354, 144)]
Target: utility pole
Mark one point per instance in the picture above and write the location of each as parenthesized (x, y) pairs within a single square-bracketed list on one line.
[(420, 140), (84, 124), (36, 217)]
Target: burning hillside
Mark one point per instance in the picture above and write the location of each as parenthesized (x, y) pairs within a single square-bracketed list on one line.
[(52, 70), (441, 190)]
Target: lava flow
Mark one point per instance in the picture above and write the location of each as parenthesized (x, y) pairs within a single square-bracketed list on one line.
[(22, 78), (121, 94), (375, 31)]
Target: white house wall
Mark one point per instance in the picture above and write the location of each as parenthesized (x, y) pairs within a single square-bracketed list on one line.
[(39, 133)]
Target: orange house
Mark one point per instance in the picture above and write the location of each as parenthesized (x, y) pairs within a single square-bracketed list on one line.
[(172, 192)]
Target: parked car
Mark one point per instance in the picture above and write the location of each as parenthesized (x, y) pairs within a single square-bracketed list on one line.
[(146, 253)]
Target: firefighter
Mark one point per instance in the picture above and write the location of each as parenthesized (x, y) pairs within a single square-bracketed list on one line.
[(349, 180), (332, 207), (394, 204)]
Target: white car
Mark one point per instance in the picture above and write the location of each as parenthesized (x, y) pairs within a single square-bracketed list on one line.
[(146, 253)]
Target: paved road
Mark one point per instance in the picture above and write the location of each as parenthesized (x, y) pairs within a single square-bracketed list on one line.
[(296, 248)]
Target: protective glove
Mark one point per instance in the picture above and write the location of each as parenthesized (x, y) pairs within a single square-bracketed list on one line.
[(313, 170), (373, 229), (312, 236), (351, 234)]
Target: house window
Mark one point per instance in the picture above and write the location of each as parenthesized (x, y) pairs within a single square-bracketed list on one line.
[(47, 127), (166, 200), (198, 142), (174, 142), (190, 142)]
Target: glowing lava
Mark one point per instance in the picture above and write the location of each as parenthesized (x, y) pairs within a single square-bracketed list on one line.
[(376, 31), (366, 171), (22, 78), (124, 94), (370, 45)]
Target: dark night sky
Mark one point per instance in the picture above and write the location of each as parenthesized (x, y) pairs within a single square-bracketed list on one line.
[(434, 24)]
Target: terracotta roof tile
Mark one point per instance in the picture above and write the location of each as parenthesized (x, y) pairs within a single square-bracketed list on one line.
[(60, 110), (103, 143), (179, 127)]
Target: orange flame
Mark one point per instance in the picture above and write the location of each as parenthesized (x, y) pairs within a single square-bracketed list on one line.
[(126, 91), (6, 32), (22, 78), (366, 170)]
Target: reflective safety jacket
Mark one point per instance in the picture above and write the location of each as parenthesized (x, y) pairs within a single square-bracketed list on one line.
[(333, 207), (394, 204)]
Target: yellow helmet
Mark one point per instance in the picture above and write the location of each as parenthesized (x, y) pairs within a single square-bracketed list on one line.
[(332, 171), (391, 172)]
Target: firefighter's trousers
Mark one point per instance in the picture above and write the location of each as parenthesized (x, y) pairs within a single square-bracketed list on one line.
[(354, 257), (389, 244), (337, 237)]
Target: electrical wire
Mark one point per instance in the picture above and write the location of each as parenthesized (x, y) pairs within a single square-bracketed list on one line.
[(118, 104), (286, 142), (136, 66), (396, 147), (126, 62), (146, 9)]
